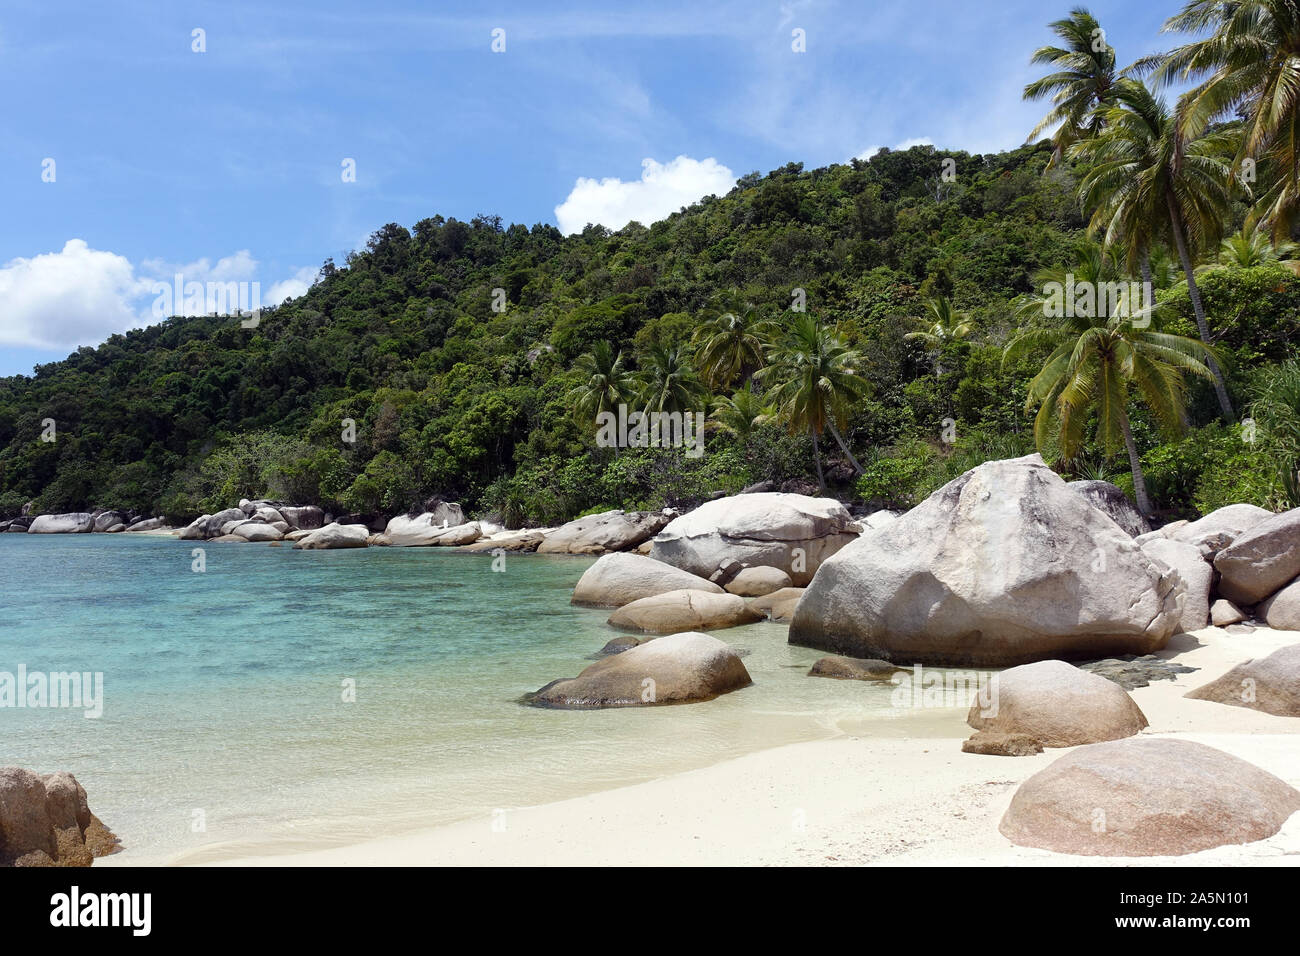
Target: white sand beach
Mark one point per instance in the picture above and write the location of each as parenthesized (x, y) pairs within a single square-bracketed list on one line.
[(853, 800)]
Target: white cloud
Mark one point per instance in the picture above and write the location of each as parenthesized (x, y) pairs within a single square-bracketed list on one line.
[(905, 144), (65, 299), (239, 267), (291, 288), (80, 296), (662, 189)]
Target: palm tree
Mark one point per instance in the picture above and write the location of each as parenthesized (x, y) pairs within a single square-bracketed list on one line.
[(666, 381), (1144, 183), (1090, 268), (1083, 78), (1276, 409), (1253, 247), (1094, 365), (944, 325), (740, 413), (731, 343), (813, 378), (1248, 67), (605, 385)]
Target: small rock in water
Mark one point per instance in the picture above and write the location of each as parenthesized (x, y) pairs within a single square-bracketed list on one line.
[(618, 645), (853, 668), (1131, 671)]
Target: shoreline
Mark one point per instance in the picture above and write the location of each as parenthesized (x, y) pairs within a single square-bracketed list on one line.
[(849, 800)]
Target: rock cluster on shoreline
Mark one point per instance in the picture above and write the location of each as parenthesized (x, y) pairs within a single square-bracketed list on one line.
[(45, 820)]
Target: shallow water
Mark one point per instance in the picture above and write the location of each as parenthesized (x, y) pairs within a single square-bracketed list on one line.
[(223, 691)]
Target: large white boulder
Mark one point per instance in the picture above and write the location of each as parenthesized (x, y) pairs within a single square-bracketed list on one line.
[(1262, 560), (678, 669), (302, 517), (602, 533), (794, 533), (621, 578), (1003, 565), (427, 530), (684, 610), (334, 535), (1147, 796), (1220, 527), (75, 522), (1197, 575), (1111, 499), (1056, 704)]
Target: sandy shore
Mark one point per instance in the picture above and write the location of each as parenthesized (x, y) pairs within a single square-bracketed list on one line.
[(852, 800)]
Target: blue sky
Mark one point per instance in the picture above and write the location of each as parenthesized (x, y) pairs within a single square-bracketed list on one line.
[(227, 165)]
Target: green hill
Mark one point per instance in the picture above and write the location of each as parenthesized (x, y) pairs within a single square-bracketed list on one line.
[(453, 399)]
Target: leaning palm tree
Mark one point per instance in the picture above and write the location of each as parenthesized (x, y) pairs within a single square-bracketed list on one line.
[(1144, 183), (730, 344), (605, 384), (812, 378), (740, 413), (1248, 67), (1095, 365), (1083, 77), (667, 382)]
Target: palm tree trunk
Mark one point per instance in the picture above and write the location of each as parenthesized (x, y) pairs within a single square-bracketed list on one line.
[(817, 457), (1135, 463), (1194, 293), (845, 448)]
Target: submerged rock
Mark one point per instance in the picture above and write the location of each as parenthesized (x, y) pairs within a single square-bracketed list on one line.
[(1147, 796), (677, 669), (1131, 672), (1001, 566), (853, 668)]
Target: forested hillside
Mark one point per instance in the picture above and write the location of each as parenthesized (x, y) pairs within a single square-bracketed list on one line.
[(454, 399)]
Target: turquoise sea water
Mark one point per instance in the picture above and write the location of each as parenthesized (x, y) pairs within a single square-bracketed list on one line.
[(223, 691)]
